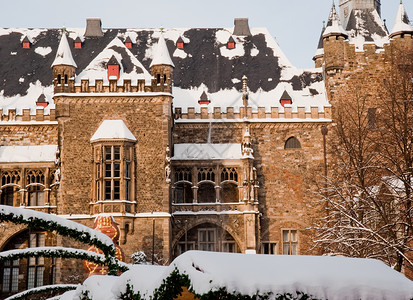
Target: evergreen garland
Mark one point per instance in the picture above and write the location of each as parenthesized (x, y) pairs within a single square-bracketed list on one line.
[(171, 286), (47, 288)]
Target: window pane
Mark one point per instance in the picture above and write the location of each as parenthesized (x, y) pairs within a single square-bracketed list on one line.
[(32, 198), (211, 236), (108, 153), (202, 236), (293, 248), (127, 170), (116, 189), (108, 190), (211, 247), (15, 280), (190, 246), (116, 153), (6, 279), (39, 276), (293, 235), (116, 171), (108, 170), (30, 277), (32, 240), (286, 249), (285, 236), (40, 198)]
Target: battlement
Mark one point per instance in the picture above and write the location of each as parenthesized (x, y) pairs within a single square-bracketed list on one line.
[(247, 112), (112, 86), (25, 116)]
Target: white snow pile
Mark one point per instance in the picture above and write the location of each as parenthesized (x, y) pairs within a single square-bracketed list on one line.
[(322, 277), (16, 154), (54, 287), (53, 220)]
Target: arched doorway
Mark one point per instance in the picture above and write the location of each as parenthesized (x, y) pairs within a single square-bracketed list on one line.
[(206, 237)]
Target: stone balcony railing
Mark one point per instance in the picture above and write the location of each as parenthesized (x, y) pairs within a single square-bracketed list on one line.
[(206, 208)]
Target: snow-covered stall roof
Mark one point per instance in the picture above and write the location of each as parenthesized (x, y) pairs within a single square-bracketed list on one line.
[(206, 151), (24, 154), (205, 63), (323, 277), (113, 129)]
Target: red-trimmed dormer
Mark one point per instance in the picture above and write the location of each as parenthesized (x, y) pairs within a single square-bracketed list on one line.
[(26, 43), (113, 68), (180, 43), (128, 43), (231, 43), (285, 99), (204, 99), (78, 43), (41, 101)]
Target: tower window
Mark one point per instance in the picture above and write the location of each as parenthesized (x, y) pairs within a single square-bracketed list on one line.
[(66, 81), (292, 143), (112, 173), (59, 79), (158, 79)]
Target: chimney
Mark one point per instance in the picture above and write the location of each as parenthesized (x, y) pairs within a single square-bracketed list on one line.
[(93, 28), (241, 27)]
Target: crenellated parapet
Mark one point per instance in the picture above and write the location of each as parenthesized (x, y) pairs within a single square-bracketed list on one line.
[(113, 86), (288, 112), (26, 116)]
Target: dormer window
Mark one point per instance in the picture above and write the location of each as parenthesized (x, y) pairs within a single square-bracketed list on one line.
[(180, 43), (231, 43), (41, 101), (204, 99), (26, 43), (78, 43), (113, 68), (286, 99), (128, 43)]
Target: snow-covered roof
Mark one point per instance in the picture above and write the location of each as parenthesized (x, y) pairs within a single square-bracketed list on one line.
[(205, 63), (161, 54), (402, 22), (334, 25), (322, 277), (130, 67), (366, 26), (206, 151), (113, 129), (20, 154), (63, 54)]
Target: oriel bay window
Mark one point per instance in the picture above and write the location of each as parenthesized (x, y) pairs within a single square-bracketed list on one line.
[(113, 172)]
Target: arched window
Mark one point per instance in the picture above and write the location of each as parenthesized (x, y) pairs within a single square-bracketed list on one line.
[(183, 193), (229, 193), (206, 174), (35, 176), (10, 177), (206, 193), (7, 195), (229, 174), (183, 174), (292, 143)]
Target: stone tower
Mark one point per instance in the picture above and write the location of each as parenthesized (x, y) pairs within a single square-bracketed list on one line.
[(64, 68), (346, 7), (161, 68)]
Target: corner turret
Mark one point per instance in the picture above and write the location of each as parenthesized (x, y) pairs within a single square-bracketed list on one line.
[(401, 27), (161, 68), (319, 54), (334, 36), (64, 68)]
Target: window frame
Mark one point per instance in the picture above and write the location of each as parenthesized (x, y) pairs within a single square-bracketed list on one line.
[(292, 244)]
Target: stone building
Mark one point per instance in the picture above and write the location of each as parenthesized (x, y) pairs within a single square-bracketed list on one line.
[(204, 139)]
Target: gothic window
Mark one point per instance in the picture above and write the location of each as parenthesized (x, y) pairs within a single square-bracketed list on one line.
[(183, 174), (292, 143), (206, 174), (206, 193), (290, 240), (183, 193), (35, 271), (229, 174), (10, 276), (35, 176), (10, 177), (229, 192)]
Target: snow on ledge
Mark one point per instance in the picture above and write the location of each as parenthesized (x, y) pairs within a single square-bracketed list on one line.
[(113, 129), (207, 151), (44, 153)]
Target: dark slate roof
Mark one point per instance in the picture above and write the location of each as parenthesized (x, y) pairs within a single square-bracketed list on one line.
[(231, 40), (113, 61), (78, 40), (128, 40), (26, 40), (180, 40), (320, 41), (42, 98), (204, 97)]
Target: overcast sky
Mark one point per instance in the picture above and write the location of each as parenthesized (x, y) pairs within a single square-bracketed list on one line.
[(296, 24)]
